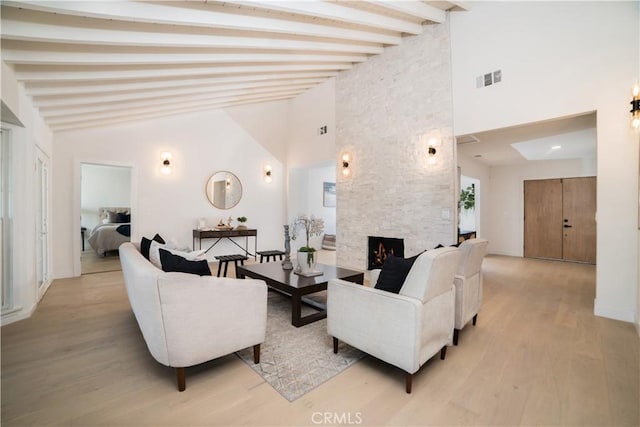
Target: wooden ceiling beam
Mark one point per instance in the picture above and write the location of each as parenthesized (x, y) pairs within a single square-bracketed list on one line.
[(188, 13), (83, 124), (32, 75), (44, 89), (335, 11), (169, 106), (47, 105), (16, 29), (414, 8), (44, 56)]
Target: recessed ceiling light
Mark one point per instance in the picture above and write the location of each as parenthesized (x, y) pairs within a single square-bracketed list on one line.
[(556, 147)]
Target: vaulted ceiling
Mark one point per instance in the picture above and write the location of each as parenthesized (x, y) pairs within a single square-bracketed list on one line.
[(89, 63)]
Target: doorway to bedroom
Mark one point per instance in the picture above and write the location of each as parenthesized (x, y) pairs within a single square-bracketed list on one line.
[(105, 215)]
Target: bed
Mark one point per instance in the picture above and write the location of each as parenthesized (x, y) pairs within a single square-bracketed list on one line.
[(113, 230)]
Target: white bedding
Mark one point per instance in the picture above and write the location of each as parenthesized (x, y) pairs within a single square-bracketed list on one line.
[(104, 237)]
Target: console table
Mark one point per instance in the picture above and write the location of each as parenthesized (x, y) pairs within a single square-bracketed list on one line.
[(229, 235)]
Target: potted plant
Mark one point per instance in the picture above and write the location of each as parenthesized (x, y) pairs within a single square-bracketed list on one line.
[(468, 198), (311, 226), (241, 220)]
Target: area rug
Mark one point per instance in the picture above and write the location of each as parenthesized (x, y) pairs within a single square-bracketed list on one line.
[(294, 360)]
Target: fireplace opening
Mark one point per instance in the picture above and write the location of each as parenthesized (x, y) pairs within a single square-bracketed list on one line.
[(381, 247)]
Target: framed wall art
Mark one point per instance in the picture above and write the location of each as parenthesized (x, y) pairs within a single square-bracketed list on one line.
[(329, 194)]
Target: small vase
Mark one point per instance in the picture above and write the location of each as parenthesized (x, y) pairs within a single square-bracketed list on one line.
[(241, 227), (306, 261)]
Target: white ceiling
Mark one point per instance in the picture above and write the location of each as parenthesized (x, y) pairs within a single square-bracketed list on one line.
[(89, 63), (564, 138)]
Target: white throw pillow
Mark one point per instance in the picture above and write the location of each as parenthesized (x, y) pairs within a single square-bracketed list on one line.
[(190, 255), (154, 254)]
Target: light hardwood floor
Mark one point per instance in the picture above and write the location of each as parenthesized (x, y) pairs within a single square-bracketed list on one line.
[(91, 263), (538, 356)]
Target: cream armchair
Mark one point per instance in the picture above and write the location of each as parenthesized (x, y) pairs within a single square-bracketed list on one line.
[(468, 283), (404, 329), (187, 319)]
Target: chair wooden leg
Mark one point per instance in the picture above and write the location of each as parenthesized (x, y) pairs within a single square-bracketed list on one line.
[(256, 354), (226, 267), (443, 352), (182, 384), (408, 379), (475, 319), (219, 267), (455, 336), (335, 345)]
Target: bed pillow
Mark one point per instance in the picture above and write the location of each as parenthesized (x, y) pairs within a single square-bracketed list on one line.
[(171, 262), (145, 244), (122, 217), (394, 272), (124, 229), (112, 217)]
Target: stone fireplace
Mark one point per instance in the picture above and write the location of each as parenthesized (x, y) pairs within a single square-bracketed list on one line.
[(381, 247), (385, 108)]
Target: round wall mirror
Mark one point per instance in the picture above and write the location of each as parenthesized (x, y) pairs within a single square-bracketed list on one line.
[(223, 190)]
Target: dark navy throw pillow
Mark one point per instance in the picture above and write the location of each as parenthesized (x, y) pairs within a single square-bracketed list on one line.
[(394, 272), (176, 263)]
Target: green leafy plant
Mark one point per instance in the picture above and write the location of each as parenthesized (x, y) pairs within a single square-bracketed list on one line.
[(468, 198), (242, 219)]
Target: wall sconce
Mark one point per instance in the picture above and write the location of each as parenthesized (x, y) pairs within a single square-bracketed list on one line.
[(166, 162), (267, 174), (346, 170), (432, 143), (635, 107)]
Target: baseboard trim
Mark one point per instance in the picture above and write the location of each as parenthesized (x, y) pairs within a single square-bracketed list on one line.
[(614, 313), (16, 314)]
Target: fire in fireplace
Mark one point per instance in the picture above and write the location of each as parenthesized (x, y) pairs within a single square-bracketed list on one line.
[(381, 247)]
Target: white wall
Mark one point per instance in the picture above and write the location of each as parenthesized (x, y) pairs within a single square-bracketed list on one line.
[(311, 158), (506, 224), (305, 197), (201, 143), (309, 111), (25, 141), (270, 129), (560, 59), (102, 187)]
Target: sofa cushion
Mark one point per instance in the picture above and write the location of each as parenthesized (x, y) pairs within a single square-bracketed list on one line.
[(394, 272), (145, 244), (154, 253), (171, 262)]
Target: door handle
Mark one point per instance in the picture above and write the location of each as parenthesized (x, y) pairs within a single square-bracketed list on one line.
[(567, 226)]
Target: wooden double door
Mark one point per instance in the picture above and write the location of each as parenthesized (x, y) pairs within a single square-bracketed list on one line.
[(560, 219)]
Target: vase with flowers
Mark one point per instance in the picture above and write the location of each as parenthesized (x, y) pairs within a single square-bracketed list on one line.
[(310, 226)]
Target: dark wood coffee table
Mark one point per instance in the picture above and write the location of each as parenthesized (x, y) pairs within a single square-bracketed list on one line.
[(289, 283)]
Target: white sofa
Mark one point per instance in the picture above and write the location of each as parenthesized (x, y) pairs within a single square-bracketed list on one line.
[(187, 319), (404, 329)]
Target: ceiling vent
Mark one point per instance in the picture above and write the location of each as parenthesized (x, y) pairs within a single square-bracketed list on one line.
[(467, 139)]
